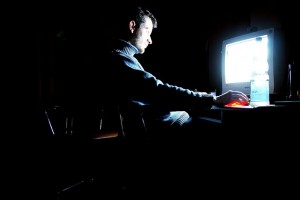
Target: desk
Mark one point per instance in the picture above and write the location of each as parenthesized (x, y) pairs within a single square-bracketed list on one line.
[(258, 147), (260, 118), (264, 127)]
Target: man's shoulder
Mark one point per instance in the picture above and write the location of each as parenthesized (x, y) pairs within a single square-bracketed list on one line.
[(121, 58)]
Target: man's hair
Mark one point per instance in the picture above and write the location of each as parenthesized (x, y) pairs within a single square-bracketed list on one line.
[(138, 14)]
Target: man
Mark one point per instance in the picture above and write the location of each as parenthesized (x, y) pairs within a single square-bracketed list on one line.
[(145, 100)]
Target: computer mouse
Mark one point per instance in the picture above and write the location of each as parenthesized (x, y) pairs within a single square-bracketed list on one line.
[(237, 103)]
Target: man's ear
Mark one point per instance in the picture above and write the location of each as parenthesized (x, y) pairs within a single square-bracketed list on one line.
[(132, 26)]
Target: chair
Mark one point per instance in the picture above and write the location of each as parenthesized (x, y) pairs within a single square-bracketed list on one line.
[(83, 138), (89, 123)]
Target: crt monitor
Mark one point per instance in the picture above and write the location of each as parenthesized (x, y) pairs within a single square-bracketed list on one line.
[(242, 54)]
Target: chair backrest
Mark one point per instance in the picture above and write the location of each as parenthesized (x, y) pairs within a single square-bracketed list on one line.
[(85, 122)]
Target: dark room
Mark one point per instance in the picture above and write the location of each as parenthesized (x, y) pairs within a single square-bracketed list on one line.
[(133, 101)]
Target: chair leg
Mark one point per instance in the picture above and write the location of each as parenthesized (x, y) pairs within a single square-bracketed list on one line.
[(67, 191)]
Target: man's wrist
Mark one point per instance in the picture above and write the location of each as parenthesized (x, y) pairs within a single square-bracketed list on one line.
[(215, 101)]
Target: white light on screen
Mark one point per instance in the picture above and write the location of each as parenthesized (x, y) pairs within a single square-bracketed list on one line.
[(245, 56)]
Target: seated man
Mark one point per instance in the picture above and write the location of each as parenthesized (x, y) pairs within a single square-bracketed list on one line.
[(143, 98)]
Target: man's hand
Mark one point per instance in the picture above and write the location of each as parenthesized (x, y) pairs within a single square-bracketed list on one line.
[(231, 96)]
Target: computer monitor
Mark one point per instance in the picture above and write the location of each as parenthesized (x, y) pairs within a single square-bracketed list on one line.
[(240, 56)]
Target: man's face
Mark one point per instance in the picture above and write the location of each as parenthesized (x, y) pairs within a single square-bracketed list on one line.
[(141, 37)]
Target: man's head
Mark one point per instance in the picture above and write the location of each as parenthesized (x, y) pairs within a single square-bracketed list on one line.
[(139, 25)]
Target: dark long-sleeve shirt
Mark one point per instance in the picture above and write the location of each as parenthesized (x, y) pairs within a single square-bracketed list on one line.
[(140, 91)]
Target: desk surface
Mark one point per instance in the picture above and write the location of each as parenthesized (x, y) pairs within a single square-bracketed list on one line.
[(288, 103), (245, 107), (268, 118), (277, 104)]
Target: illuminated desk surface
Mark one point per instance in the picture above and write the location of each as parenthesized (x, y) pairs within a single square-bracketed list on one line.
[(277, 115)]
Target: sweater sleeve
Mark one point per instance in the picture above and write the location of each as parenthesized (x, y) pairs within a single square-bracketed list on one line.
[(143, 87)]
